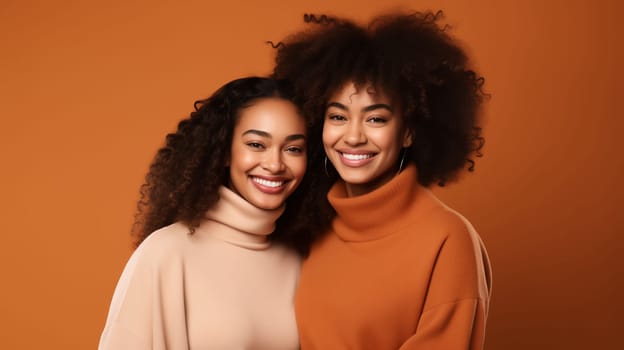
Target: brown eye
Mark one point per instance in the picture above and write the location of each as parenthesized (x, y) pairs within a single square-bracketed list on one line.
[(294, 149), (255, 145), (336, 117), (377, 120)]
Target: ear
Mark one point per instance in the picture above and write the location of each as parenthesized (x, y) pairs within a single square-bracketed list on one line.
[(408, 138)]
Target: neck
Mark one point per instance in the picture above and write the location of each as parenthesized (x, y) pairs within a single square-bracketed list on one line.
[(359, 218), (242, 223), (354, 189)]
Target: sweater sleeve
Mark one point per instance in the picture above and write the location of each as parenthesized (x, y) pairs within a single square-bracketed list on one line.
[(453, 326), (130, 309), (456, 306), (147, 309)]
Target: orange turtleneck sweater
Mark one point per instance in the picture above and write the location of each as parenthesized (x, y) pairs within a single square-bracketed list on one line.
[(398, 270)]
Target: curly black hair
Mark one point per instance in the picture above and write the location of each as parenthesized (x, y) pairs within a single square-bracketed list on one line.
[(184, 177), (412, 59)]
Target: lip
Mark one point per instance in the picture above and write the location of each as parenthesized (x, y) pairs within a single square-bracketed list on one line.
[(268, 184), (357, 158)]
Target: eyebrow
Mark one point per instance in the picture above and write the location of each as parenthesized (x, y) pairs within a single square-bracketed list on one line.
[(261, 133), (365, 109), (295, 137)]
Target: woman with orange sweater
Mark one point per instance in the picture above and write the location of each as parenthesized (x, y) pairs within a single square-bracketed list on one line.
[(397, 110)]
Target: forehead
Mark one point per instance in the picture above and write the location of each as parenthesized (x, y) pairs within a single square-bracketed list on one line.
[(273, 115)]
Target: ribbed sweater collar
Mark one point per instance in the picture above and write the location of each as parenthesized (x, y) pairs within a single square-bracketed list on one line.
[(376, 214), (245, 225)]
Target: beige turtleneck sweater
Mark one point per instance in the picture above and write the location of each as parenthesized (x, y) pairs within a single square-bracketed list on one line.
[(398, 270), (224, 287)]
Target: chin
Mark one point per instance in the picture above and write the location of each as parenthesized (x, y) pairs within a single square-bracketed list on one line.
[(267, 205), (356, 179)]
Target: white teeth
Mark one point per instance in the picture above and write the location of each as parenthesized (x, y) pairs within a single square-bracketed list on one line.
[(267, 183), (356, 156)]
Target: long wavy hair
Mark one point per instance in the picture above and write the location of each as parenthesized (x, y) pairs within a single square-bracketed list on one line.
[(185, 175), (411, 58)]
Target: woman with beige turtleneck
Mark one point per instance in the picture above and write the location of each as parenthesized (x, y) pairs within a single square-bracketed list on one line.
[(214, 270)]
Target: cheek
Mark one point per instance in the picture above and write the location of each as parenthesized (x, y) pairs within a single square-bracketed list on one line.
[(330, 135), (298, 167), (331, 131), (389, 140), (241, 159)]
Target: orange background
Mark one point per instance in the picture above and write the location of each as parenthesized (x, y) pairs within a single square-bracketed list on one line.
[(88, 91)]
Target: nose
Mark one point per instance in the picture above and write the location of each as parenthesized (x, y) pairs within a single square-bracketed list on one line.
[(273, 162), (354, 135)]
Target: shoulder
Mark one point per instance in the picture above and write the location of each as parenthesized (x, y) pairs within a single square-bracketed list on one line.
[(444, 220), (450, 232), (156, 265), (285, 263), (165, 244), (283, 256), (160, 255), (462, 253)]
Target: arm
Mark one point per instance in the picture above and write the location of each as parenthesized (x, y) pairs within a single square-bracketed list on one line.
[(456, 306), (147, 310), (130, 310), (456, 325)]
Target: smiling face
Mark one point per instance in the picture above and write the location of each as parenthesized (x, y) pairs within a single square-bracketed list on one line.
[(363, 134), (268, 156)]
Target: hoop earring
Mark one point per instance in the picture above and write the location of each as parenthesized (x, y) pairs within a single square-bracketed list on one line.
[(402, 160), (325, 162)]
